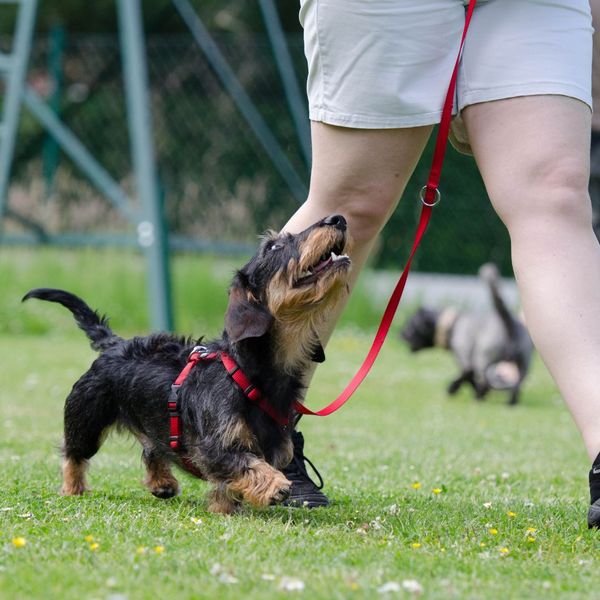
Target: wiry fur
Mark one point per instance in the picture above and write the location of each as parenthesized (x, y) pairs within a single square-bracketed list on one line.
[(484, 346), (275, 302)]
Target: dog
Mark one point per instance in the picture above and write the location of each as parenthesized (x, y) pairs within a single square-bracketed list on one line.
[(277, 302), (493, 350)]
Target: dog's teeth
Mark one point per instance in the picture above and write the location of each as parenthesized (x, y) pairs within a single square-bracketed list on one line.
[(334, 256)]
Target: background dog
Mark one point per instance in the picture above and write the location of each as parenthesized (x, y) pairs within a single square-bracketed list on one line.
[(493, 350), (276, 303)]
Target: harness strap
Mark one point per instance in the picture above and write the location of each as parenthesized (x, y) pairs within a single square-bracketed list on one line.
[(430, 196), (199, 353)]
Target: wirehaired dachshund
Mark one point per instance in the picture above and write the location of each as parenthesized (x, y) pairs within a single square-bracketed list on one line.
[(276, 303)]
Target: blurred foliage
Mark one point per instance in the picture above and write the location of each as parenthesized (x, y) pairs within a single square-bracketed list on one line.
[(217, 180), (100, 16)]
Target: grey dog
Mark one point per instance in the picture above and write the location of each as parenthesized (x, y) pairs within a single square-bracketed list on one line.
[(493, 350)]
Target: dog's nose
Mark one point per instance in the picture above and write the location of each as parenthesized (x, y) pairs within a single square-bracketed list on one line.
[(337, 221)]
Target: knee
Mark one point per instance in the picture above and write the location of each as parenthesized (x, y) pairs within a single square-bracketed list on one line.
[(366, 207), (552, 195)]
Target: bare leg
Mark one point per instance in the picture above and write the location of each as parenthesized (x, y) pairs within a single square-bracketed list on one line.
[(533, 153), (361, 174)]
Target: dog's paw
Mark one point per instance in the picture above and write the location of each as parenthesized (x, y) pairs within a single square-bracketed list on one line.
[(281, 494), (164, 492), (73, 489)]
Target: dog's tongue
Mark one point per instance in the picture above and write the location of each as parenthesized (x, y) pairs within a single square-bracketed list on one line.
[(324, 263)]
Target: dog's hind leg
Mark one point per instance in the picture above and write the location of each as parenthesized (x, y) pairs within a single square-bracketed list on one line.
[(87, 419), (159, 478)]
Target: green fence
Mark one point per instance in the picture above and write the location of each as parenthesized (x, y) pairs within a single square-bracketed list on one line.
[(220, 187)]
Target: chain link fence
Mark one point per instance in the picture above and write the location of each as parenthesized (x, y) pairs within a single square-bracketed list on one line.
[(218, 184)]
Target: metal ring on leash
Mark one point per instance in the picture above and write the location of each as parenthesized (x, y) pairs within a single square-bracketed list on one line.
[(423, 191)]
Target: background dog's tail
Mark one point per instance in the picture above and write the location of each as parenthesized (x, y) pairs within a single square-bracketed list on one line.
[(95, 326), (489, 273)]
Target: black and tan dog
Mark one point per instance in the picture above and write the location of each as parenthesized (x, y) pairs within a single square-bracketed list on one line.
[(493, 350), (276, 302)]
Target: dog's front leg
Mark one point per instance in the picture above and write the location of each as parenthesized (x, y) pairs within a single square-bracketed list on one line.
[(259, 483), (241, 475)]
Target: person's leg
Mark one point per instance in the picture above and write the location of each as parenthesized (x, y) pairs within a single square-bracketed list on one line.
[(361, 174), (533, 154)]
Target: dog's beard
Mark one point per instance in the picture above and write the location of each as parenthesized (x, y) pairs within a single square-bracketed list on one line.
[(300, 311)]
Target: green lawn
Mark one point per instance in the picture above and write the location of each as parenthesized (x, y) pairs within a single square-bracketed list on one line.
[(508, 521)]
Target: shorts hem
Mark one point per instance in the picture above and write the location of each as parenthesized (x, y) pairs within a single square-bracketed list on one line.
[(373, 122), (515, 91)]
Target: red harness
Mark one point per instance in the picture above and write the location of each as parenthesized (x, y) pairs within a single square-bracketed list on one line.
[(200, 353)]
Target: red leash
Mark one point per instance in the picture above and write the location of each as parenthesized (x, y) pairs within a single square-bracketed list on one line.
[(430, 196)]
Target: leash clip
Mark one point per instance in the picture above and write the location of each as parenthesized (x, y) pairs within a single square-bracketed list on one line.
[(423, 192)]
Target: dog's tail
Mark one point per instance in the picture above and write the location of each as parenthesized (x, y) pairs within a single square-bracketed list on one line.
[(489, 273), (95, 326)]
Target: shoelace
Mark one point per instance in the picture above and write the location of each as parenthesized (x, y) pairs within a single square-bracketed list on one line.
[(299, 461)]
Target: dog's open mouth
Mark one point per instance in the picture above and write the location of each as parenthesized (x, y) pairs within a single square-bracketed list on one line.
[(334, 258)]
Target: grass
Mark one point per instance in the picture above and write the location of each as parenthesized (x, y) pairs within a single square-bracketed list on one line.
[(500, 473)]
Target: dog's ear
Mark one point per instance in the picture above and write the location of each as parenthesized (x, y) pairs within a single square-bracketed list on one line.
[(245, 316), (318, 354)]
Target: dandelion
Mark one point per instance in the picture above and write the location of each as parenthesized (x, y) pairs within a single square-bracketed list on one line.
[(504, 550), (493, 531), (94, 546), (89, 538), (531, 530), (531, 539), (482, 544), (159, 549), (437, 490), (511, 515), (415, 545), (19, 542), (416, 485)]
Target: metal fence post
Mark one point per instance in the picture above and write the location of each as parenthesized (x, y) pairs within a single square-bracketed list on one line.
[(14, 67), (151, 230)]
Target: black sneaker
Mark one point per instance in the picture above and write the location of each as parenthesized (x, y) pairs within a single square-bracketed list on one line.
[(593, 516), (304, 491)]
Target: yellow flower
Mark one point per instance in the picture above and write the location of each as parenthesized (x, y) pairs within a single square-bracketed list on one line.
[(531, 539), (531, 530), (19, 542), (159, 549), (511, 515), (89, 538), (416, 485), (437, 490), (482, 544), (415, 545), (504, 550), (493, 531), (94, 546)]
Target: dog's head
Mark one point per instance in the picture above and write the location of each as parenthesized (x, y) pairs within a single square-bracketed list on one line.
[(289, 286), (420, 329)]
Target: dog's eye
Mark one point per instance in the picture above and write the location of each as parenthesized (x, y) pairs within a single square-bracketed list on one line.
[(276, 247)]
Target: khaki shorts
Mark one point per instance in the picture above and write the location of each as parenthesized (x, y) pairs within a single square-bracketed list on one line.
[(380, 64)]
